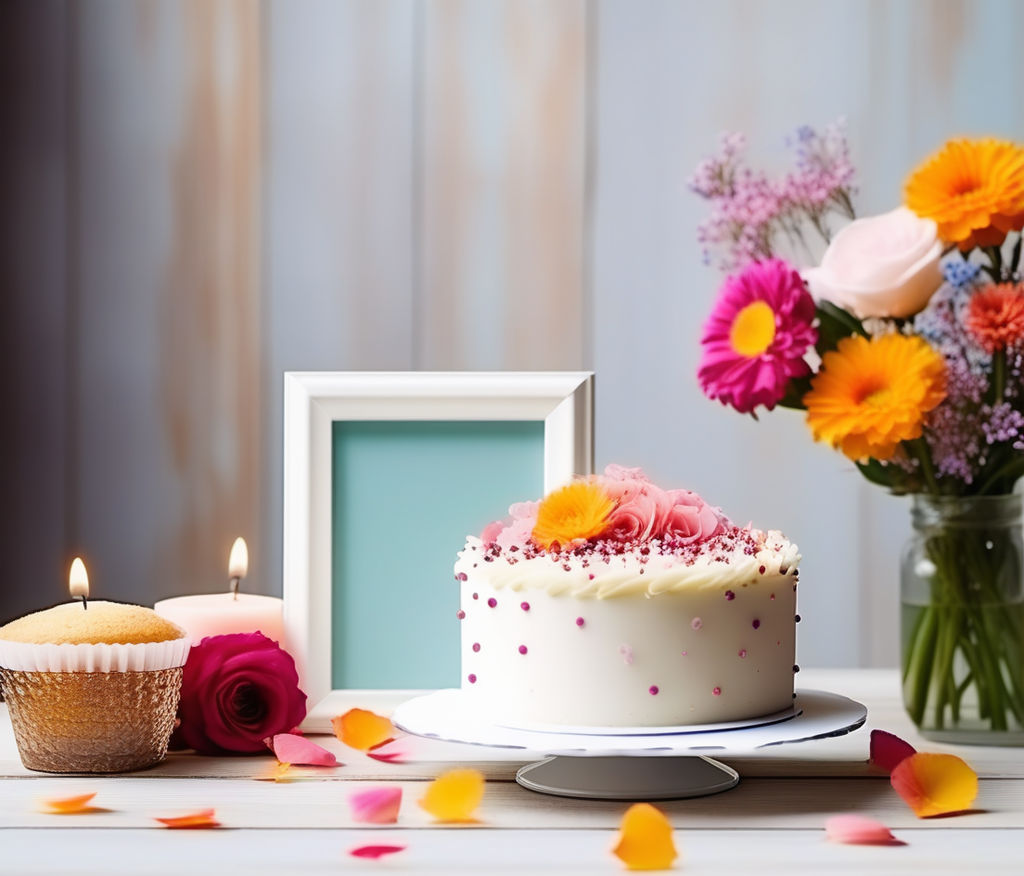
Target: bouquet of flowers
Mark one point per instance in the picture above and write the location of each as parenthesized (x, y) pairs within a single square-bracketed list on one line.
[(904, 345)]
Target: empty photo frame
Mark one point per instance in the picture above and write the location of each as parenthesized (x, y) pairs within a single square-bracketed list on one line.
[(384, 476)]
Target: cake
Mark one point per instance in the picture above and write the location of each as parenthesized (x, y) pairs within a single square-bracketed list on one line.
[(615, 603), (92, 689)]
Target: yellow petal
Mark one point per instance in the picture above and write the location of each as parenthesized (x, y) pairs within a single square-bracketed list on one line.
[(68, 805), (362, 729), (645, 839), (454, 795), (935, 784)]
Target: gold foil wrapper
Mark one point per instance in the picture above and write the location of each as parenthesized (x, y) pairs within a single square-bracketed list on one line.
[(92, 722)]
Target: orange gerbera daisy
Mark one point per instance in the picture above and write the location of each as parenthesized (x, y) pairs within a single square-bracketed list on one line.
[(871, 394), (973, 189), (995, 316), (578, 511)]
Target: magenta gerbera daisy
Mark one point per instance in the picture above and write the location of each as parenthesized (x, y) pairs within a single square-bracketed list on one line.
[(756, 337)]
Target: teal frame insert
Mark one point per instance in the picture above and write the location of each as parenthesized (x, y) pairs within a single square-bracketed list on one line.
[(404, 495)]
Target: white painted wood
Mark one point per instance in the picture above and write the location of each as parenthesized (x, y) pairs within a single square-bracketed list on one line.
[(544, 852), (768, 825), (315, 400)]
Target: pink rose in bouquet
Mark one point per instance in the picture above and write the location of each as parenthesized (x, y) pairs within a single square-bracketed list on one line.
[(236, 691)]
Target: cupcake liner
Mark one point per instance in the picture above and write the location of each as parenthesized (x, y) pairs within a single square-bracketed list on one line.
[(141, 657), (92, 722)]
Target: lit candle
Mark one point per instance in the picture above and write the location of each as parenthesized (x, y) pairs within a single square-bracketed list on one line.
[(78, 581), (217, 614)]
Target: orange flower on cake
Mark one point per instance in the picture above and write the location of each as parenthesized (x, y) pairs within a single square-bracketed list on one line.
[(873, 393), (973, 189)]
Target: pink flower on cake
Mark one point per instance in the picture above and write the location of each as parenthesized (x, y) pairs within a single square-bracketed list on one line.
[(756, 337), (690, 518), (640, 506)]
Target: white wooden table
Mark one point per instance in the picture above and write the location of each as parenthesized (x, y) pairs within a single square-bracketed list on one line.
[(772, 823)]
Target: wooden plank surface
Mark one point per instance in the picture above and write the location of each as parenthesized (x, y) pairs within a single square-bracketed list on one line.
[(703, 852)]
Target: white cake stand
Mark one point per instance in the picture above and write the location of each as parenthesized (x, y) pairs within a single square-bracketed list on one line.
[(615, 763)]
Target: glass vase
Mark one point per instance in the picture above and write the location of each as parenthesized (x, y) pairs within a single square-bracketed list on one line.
[(963, 620)]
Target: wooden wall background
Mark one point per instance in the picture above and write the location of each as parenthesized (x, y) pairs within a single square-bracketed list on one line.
[(197, 196)]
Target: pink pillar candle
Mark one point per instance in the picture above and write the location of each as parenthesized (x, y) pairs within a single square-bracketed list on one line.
[(216, 614)]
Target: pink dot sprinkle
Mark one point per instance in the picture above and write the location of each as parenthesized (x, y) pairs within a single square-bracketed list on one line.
[(684, 653), (729, 595), (476, 595), (522, 649), (772, 597), (756, 623), (743, 652), (476, 646), (580, 622), (460, 614), (525, 606), (471, 678), (492, 602), (696, 623), (717, 691), (653, 690)]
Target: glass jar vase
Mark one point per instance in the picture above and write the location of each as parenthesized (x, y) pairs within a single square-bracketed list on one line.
[(962, 622)]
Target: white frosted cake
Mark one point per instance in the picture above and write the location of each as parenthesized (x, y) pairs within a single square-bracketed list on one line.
[(615, 603)]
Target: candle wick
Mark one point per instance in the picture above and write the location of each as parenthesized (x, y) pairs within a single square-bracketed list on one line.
[(235, 581), (85, 604)]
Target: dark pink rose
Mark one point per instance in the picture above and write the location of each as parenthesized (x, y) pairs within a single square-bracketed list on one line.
[(690, 518), (236, 691)]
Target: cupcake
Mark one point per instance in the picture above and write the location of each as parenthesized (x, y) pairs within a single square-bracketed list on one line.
[(92, 690)]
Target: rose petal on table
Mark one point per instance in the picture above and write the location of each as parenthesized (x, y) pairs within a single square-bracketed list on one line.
[(299, 751), (858, 830), (387, 756), (935, 784), (374, 852), (193, 821), (279, 772), (645, 839), (887, 750), (376, 805), (68, 805), (362, 729), (454, 795)]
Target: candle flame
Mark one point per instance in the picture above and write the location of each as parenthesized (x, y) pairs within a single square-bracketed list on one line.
[(78, 579), (238, 562)]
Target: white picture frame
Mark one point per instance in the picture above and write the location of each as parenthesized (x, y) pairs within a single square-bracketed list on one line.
[(314, 401)]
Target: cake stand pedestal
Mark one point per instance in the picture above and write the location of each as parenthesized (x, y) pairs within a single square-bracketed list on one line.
[(614, 763)]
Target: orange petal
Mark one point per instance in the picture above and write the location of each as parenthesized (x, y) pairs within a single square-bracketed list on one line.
[(887, 750), (195, 820), (935, 784), (362, 729), (859, 831), (645, 839), (68, 805), (454, 795)]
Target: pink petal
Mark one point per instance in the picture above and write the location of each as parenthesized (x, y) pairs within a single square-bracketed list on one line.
[(376, 805), (858, 830), (888, 750), (299, 751), (374, 851)]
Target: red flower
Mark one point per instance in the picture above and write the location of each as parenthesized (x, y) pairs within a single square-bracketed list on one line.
[(995, 316), (237, 691)]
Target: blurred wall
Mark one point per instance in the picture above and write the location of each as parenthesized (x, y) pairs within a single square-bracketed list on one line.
[(197, 196)]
